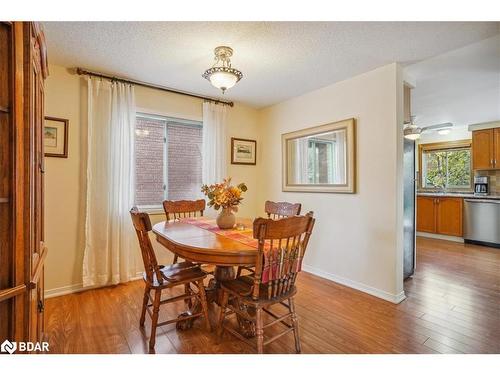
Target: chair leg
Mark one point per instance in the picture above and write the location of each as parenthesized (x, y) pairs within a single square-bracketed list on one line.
[(154, 320), (238, 273), (189, 301), (203, 300), (222, 315), (175, 259), (295, 322), (145, 301), (259, 331)]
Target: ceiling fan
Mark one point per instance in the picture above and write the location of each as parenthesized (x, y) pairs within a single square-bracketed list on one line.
[(413, 131)]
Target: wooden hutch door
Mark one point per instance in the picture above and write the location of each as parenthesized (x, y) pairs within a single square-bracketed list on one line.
[(23, 68)]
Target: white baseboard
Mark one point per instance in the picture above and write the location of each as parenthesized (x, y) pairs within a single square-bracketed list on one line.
[(61, 291), (440, 237), (394, 298)]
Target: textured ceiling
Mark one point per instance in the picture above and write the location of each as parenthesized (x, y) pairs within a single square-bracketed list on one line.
[(461, 86), (279, 60)]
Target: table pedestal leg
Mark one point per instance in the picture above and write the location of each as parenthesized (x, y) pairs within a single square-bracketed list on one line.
[(247, 327), (214, 294)]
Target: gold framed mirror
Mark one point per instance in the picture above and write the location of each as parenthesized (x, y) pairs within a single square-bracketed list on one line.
[(320, 159)]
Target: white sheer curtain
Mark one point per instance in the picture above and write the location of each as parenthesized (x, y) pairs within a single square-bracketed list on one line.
[(214, 160), (109, 256), (302, 161), (340, 157)]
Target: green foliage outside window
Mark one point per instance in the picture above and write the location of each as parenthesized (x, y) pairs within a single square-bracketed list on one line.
[(447, 169)]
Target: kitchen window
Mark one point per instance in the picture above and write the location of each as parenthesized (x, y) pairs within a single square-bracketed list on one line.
[(168, 160), (446, 166)]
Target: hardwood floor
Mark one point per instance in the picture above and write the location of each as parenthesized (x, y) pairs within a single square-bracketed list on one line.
[(453, 306)]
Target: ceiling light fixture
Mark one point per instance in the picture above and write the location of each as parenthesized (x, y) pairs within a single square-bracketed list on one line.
[(412, 131), (444, 131), (221, 75)]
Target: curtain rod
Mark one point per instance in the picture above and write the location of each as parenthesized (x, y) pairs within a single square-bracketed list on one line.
[(81, 71)]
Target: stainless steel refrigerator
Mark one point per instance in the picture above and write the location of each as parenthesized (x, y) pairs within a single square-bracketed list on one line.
[(409, 195)]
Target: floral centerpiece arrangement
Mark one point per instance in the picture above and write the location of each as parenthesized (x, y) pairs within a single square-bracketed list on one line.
[(226, 196)]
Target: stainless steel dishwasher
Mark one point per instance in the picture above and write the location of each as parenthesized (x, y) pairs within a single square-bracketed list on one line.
[(482, 221)]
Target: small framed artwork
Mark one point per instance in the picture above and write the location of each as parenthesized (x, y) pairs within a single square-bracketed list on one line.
[(243, 151), (55, 137)]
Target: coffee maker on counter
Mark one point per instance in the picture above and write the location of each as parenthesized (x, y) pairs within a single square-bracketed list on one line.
[(481, 186)]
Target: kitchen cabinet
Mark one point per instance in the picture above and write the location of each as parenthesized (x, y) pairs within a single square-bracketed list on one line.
[(426, 214), (441, 215), (496, 150), (449, 216), (486, 149)]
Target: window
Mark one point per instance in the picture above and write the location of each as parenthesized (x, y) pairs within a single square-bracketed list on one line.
[(320, 168), (168, 159), (446, 165)]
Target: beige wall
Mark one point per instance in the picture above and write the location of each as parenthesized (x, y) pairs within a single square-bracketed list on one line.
[(64, 186), (65, 178), (357, 238)]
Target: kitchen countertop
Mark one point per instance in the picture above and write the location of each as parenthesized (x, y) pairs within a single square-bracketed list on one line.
[(457, 195)]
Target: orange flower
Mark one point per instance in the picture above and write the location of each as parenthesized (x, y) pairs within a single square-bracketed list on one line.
[(224, 194)]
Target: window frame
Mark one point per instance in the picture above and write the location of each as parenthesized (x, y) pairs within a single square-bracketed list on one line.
[(158, 208), (444, 146)]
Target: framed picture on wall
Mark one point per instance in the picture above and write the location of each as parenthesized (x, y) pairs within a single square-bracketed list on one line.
[(243, 151), (55, 137)]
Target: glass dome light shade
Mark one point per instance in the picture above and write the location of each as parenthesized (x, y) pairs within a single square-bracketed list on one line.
[(223, 80)]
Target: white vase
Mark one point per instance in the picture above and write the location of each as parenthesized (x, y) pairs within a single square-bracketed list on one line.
[(226, 219)]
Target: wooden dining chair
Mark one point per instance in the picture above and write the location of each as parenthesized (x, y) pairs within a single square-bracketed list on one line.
[(274, 210), (282, 244), (177, 210), (158, 278), (278, 210)]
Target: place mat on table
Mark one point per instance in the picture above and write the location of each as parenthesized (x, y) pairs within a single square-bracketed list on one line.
[(244, 236), (271, 267)]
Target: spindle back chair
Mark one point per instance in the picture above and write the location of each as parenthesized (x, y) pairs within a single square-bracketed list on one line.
[(158, 277), (183, 209), (282, 245), (142, 225), (176, 210), (275, 210), (278, 210)]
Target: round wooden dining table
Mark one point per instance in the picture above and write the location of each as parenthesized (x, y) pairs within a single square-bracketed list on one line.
[(203, 246)]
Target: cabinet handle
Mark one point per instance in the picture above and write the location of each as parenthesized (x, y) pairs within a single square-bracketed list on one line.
[(492, 163)]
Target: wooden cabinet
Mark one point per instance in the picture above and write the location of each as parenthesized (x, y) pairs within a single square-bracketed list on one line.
[(486, 149), (426, 214), (441, 215), (23, 69), (449, 216), (496, 149)]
